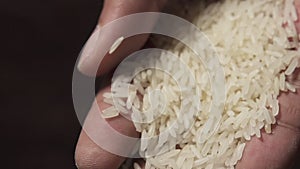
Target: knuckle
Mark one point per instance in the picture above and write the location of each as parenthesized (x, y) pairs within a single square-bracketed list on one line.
[(86, 158)]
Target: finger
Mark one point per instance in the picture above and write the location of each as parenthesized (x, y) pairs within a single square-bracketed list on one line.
[(99, 40), (96, 137), (276, 150)]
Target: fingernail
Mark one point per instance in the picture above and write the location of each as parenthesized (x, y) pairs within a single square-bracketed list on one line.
[(89, 49)]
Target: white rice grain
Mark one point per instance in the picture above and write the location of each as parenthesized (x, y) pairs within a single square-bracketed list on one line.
[(292, 67), (180, 107), (116, 44), (110, 113)]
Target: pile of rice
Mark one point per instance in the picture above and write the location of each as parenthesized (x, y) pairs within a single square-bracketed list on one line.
[(256, 42)]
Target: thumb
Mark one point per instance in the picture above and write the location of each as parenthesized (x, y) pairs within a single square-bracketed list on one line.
[(94, 49)]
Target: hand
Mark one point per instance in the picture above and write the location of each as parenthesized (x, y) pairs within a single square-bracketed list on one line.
[(88, 154), (112, 10), (279, 149), (275, 150)]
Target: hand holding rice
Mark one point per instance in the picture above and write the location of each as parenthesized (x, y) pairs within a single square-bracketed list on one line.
[(257, 43), (191, 111)]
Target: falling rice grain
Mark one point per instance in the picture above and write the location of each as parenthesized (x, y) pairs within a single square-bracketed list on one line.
[(116, 44)]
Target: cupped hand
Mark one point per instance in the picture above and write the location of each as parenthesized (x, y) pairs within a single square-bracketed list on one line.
[(271, 151), (278, 150), (88, 154)]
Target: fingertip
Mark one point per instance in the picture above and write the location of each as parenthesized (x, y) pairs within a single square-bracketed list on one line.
[(94, 58), (89, 49), (100, 61), (114, 9)]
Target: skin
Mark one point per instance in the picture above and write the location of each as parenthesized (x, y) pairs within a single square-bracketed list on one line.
[(272, 151)]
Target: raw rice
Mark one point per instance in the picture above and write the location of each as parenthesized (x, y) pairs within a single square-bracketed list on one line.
[(116, 44), (256, 53), (136, 166), (109, 113)]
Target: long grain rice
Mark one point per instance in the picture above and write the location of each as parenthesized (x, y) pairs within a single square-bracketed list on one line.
[(115, 45), (256, 53)]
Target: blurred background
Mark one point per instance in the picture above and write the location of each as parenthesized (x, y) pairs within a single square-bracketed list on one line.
[(41, 40)]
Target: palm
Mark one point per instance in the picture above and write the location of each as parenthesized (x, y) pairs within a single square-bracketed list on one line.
[(277, 149), (270, 151)]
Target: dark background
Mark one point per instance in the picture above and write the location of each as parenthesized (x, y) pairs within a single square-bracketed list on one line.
[(40, 42)]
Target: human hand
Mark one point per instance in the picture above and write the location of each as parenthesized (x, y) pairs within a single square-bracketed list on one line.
[(279, 149), (88, 154), (112, 10), (270, 151)]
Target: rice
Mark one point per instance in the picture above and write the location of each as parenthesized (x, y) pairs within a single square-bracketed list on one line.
[(292, 67), (136, 166), (181, 125), (109, 113), (116, 44)]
